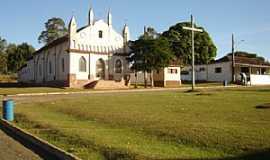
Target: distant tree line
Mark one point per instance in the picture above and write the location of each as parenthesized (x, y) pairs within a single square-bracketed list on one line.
[(13, 56), (54, 29)]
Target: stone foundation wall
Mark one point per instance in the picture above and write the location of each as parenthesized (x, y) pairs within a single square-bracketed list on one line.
[(172, 83), (159, 83), (74, 83)]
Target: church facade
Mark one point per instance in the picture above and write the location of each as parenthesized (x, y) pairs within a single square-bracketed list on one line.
[(85, 55)]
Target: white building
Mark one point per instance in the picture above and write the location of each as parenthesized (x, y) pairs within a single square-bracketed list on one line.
[(93, 52), (256, 70), (94, 55)]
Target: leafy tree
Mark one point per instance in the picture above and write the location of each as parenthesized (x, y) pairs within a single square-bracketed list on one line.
[(12, 57), (150, 33), (18, 55), (3, 56), (3, 45), (149, 53), (54, 29), (180, 41), (3, 64), (158, 55)]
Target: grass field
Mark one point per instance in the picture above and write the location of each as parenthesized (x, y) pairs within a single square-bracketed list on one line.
[(217, 124), (22, 90)]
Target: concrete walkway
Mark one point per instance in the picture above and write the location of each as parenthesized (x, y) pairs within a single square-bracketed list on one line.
[(10, 149)]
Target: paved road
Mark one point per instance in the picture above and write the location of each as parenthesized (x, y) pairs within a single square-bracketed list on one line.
[(13, 150)]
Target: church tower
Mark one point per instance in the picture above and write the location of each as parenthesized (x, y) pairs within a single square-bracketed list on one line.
[(126, 37), (72, 29), (126, 33), (109, 21), (91, 17)]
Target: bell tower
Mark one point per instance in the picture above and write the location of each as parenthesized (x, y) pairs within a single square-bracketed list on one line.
[(72, 29), (91, 17)]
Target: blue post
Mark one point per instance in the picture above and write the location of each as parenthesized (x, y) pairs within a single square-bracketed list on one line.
[(8, 107)]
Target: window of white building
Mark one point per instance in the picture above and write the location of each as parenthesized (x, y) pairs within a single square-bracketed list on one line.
[(82, 64), (118, 66), (63, 65), (202, 69), (100, 34), (74, 43), (50, 67), (172, 71), (40, 70), (218, 70)]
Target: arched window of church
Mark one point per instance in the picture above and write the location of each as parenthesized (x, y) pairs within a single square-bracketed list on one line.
[(118, 66), (74, 44), (63, 65), (82, 47), (82, 64), (100, 34), (50, 67), (40, 70)]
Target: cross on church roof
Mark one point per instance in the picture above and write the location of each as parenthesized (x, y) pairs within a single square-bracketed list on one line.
[(193, 28)]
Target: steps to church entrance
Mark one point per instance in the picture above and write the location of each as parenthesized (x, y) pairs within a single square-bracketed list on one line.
[(104, 84)]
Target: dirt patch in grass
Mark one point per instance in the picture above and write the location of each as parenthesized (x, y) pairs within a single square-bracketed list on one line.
[(263, 106), (205, 94)]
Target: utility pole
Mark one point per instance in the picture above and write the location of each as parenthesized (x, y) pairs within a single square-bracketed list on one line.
[(233, 60), (193, 30)]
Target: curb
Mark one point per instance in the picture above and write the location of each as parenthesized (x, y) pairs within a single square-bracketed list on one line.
[(116, 91), (47, 149)]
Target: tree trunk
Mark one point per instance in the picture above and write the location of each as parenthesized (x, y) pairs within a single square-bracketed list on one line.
[(152, 78), (136, 79), (145, 79)]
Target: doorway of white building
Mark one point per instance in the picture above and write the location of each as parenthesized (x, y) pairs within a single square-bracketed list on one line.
[(100, 69)]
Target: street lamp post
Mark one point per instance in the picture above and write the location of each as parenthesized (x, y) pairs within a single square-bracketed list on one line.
[(193, 30), (233, 61), (233, 57)]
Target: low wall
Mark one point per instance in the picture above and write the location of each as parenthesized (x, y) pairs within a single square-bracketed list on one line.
[(260, 79), (38, 145)]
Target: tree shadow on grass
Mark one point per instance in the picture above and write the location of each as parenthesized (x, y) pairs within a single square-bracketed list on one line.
[(263, 106), (42, 153), (255, 155), (263, 90), (22, 85)]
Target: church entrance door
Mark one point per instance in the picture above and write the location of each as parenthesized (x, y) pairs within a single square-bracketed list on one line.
[(100, 69)]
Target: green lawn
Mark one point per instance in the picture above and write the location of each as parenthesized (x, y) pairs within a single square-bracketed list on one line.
[(22, 90), (212, 124)]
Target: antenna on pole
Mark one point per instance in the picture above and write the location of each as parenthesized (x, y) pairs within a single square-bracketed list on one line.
[(233, 59), (73, 12)]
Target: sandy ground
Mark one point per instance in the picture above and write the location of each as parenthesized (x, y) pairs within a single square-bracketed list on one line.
[(13, 150)]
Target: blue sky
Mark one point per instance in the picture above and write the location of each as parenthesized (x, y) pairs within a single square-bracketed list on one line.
[(249, 20)]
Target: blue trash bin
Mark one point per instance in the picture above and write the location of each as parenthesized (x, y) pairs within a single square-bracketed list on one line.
[(8, 110)]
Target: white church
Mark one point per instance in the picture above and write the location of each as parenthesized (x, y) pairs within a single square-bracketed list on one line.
[(89, 56)]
